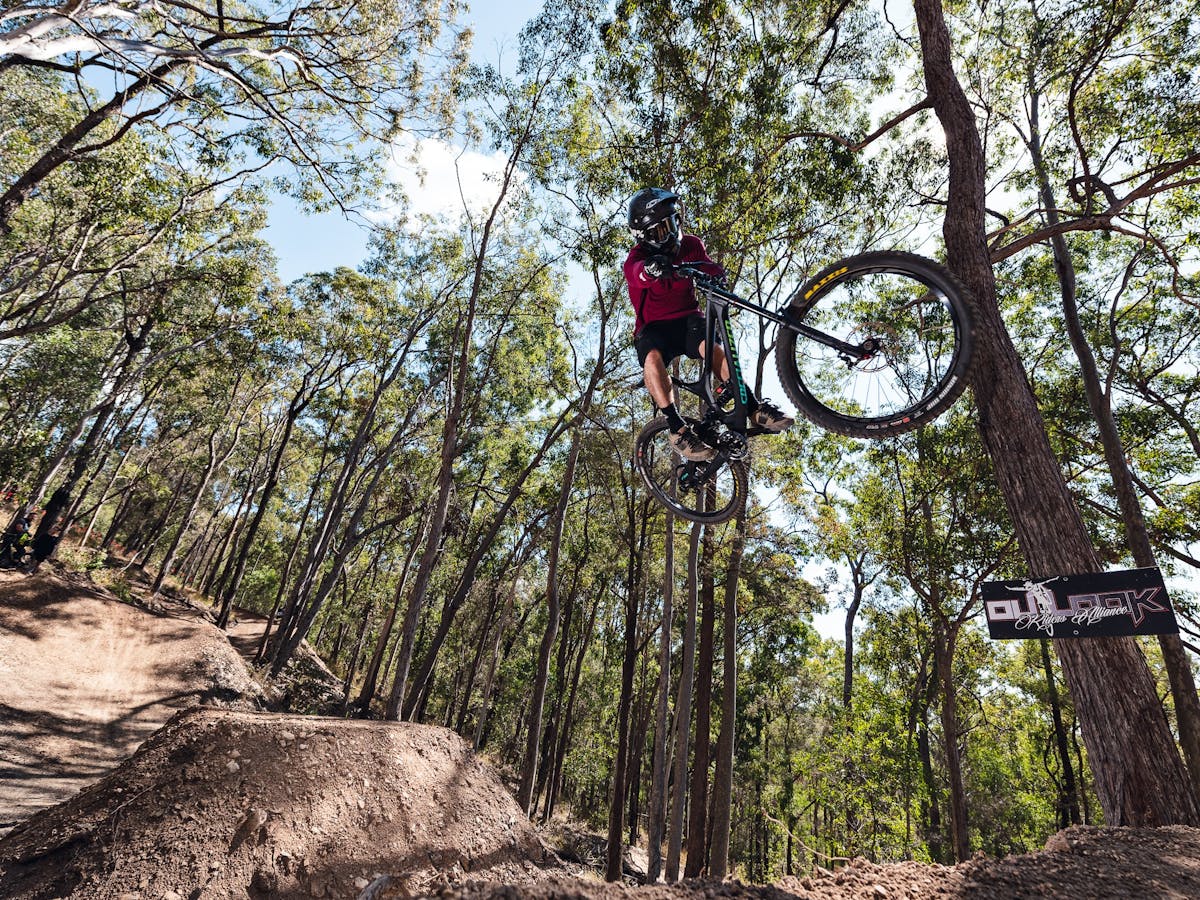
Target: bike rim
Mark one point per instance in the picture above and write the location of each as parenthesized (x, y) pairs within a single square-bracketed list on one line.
[(918, 335), (675, 482)]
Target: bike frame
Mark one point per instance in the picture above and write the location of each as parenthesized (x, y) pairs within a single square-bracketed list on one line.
[(717, 303)]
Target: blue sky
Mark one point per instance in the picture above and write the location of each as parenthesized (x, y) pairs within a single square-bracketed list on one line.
[(317, 243)]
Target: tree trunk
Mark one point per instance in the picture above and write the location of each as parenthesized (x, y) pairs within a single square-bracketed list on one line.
[(697, 832), (104, 495), (295, 407), (683, 711), (615, 857), (1138, 772), (657, 813), (718, 864), (568, 716), (943, 642), (490, 680), (856, 568), (529, 768), (61, 498), (371, 678), (214, 461), (1178, 666), (1068, 797)]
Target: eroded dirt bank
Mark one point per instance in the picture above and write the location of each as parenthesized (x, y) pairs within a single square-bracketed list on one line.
[(1083, 863)]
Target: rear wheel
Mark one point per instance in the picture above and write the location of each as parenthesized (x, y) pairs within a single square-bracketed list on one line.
[(711, 492), (914, 321)]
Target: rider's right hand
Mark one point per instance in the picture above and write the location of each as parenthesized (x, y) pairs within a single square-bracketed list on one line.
[(659, 264)]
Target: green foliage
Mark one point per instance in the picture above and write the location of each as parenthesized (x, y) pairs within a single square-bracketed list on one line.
[(253, 401)]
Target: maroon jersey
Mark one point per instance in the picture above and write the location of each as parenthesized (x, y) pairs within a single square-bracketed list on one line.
[(658, 299)]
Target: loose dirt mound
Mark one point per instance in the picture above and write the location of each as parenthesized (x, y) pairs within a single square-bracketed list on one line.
[(229, 804), (1081, 862), (85, 678)]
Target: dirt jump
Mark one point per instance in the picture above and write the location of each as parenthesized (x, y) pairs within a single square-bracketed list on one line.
[(136, 763)]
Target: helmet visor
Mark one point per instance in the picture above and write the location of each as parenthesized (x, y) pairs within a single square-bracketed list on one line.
[(662, 232)]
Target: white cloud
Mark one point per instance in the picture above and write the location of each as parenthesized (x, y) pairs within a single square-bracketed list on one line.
[(442, 180)]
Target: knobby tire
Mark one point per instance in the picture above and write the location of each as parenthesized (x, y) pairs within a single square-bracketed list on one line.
[(922, 315), (656, 462)]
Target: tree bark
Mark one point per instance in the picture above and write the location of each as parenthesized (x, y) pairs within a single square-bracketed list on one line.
[(683, 711), (860, 585), (943, 644), (371, 677), (533, 742), (214, 461), (422, 679), (1068, 799), (615, 854), (657, 813), (697, 832)]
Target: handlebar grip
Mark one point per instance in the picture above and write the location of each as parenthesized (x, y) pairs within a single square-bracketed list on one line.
[(693, 272)]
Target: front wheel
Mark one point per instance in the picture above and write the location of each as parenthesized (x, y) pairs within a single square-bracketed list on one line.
[(710, 492), (913, 322)]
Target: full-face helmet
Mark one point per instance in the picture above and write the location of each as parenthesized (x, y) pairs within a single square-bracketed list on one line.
[(656, 218)]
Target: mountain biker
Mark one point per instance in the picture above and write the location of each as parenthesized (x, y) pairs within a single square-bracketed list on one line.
[(668, 319)]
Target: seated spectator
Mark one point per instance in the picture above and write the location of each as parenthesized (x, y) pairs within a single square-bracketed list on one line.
[(13, 543)]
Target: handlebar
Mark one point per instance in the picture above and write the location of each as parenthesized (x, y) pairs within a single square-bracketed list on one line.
[(705, 281), (694, 273)]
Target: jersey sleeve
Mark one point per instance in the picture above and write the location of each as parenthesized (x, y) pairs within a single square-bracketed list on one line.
[(694, 253)]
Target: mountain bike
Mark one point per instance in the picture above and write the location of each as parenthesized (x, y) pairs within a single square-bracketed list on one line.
[(872, 346)]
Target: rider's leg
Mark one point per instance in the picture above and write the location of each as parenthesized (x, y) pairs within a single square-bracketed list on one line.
[(658, 382), (662, 392), (720, 363)]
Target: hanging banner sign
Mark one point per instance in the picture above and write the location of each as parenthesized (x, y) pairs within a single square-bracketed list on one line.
[(1100, 604)]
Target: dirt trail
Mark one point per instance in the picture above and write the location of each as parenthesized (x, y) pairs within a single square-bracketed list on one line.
[(85, 679)]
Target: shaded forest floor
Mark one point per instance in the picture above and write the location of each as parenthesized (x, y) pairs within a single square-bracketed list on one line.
[(113, 788)]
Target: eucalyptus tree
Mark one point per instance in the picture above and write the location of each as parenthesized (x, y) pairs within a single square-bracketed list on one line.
[(507, 432), (382, 329), (220, 446), (1127, 736), (97, 231), (1115, 105), (564, 163), (308, 360), (50, 381), (944, 534), (513, 113), (197, 284), (787, 677), (242, 82)]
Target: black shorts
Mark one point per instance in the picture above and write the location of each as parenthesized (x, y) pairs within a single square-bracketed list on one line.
[(671, 338)]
